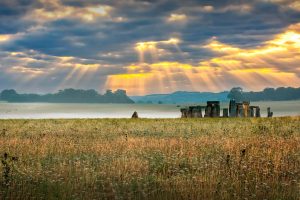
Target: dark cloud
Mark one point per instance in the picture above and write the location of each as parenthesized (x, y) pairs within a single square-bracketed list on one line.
[(145, 21)]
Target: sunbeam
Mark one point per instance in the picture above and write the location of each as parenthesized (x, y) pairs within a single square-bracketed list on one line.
[(254, 68)]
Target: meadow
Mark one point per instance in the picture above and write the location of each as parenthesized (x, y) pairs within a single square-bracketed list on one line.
[(257, 158)]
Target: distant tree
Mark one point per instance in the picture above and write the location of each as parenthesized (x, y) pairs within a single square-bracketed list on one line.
[(120, 92), (236, 93), (271, 94), (69, 95), (160, 102), (120, 95), (268, 93), (108, 92), (9, 95)]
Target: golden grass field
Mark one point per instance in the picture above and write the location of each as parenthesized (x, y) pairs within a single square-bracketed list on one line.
[(257, 158)]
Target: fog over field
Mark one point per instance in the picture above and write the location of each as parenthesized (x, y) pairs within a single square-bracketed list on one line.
[(48, 110)]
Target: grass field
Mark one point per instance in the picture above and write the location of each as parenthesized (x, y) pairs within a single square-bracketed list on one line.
[(150, 159)]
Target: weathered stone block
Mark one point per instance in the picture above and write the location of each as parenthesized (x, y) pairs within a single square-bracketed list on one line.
[(225, 112)]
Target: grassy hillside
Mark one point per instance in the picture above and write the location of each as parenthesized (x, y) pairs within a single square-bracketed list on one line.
[(147, 159)]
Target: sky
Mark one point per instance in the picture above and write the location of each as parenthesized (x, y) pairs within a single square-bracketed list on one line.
[(149, 46)]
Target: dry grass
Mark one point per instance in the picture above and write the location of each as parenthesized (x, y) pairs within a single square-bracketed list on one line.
[(150, 159)]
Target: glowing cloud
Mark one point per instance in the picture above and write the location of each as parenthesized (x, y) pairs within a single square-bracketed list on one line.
[(5, 37), (59, 11), (153, 48), (275, 63), (177, 18), (207, 8)]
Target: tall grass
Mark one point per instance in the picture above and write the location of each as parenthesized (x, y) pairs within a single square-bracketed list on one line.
[(150, 159)]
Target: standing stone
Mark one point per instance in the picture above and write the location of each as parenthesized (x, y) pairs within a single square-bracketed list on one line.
[(232, 108), (214, 112), (200, 112), (213, 109), (257, 113), (135, 115), (270, 114), (183, 112), (238, 110), (241, 112), (193, 111), (207, 111), (189, 113), (246, 109), (196, 112), (225, 112), (251, 111), (218, 109)]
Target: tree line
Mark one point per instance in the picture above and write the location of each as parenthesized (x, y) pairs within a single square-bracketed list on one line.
[(268, 94), (68, 96)]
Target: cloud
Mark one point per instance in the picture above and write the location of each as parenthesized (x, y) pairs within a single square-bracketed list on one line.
[(54, 10), (5, 37), (49, 45), (275, 63), (177, 18), (286, 4), (240, 8), (154, 48)]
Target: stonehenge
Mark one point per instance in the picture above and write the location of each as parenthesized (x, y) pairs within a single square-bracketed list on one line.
[(212, 109)]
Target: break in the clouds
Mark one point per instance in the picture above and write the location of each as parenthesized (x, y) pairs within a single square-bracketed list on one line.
[(148, 46)]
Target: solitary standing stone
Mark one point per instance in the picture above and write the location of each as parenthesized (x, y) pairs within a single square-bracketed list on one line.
[(135, 115), (270, 114)]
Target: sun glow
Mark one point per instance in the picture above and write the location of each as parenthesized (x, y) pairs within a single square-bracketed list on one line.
[(4, 38), (255, 68), (154, 47)]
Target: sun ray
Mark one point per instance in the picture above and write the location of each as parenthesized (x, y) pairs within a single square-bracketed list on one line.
[(253, 68), (76, 72)]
